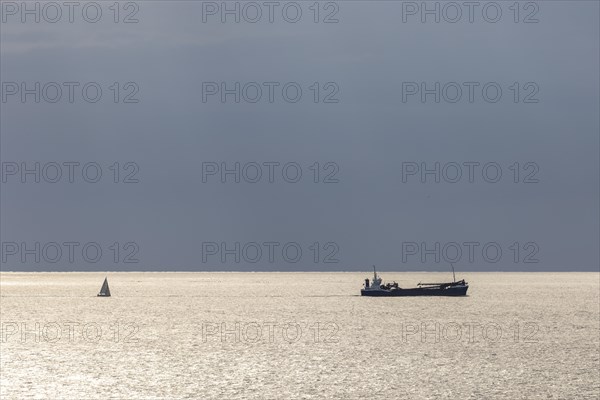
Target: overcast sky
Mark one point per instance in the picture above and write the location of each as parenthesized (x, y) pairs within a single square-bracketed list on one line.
[(362, 128)]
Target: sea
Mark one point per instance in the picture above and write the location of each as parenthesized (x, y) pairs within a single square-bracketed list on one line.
[(304, 335)]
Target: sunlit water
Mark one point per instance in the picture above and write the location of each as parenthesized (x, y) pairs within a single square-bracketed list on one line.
[(297, 336)]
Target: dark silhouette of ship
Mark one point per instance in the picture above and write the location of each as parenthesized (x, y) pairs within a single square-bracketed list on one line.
[(377, 288), (104, 291)]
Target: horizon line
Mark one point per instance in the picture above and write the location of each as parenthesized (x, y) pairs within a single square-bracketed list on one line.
[(278, 271)]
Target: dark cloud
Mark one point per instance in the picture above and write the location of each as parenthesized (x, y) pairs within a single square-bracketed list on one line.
[(362, 219)]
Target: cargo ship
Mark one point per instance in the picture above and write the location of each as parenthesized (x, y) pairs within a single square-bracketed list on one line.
[(376, 287)]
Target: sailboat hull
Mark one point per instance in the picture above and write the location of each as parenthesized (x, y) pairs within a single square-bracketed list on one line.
[(424, 291)]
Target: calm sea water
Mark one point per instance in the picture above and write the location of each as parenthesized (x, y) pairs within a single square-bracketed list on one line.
[(297, 336)]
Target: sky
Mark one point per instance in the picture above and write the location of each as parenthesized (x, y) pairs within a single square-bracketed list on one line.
[(300, 136)]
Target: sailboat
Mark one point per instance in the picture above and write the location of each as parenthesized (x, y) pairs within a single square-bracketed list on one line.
[(104, 291)]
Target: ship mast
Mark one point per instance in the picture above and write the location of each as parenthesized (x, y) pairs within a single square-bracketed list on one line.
[(453, 276)]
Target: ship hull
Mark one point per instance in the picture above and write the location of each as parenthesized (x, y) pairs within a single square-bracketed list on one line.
[(435, 291)]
